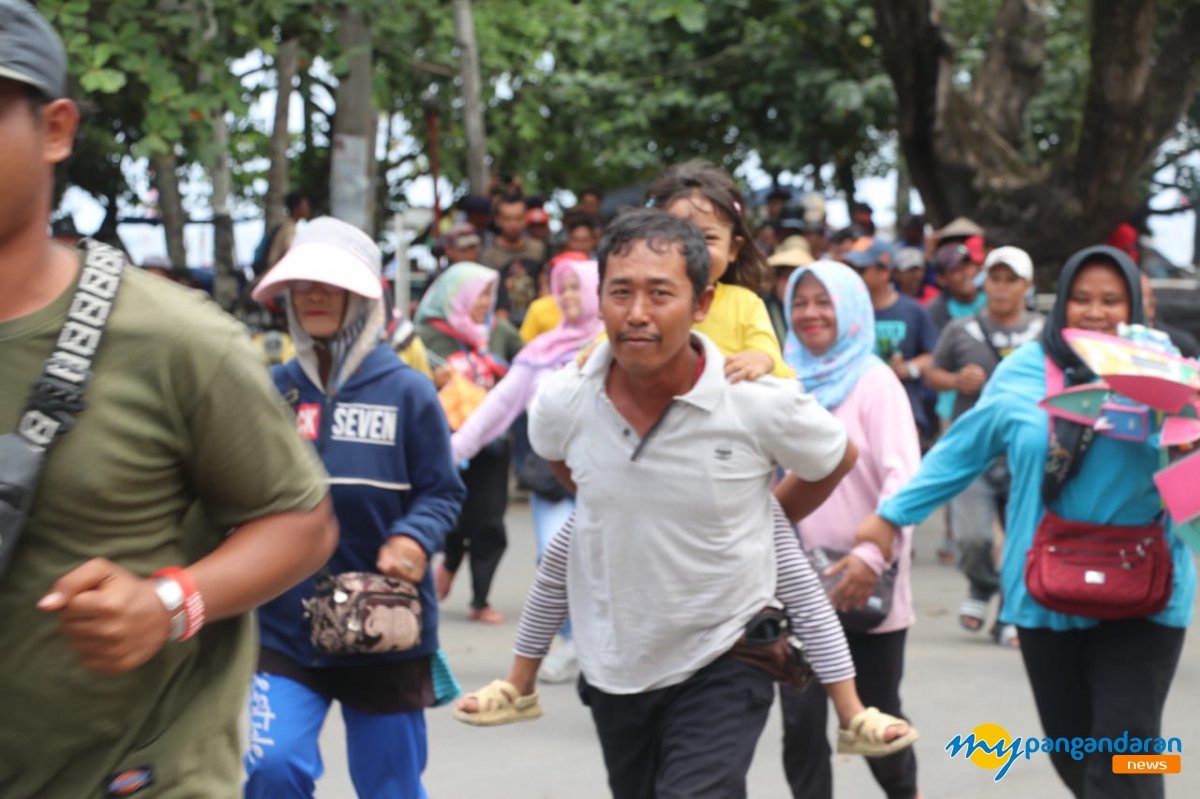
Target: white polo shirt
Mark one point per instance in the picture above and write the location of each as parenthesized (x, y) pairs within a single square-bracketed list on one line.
[(673, 547)]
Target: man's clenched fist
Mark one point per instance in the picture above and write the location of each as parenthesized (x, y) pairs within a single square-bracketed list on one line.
[(113, 619)]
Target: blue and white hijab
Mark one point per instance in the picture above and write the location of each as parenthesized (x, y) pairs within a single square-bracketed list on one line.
[(831, 376)]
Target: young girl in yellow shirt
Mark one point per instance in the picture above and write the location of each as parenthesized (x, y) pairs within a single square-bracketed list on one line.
[(737, 321)]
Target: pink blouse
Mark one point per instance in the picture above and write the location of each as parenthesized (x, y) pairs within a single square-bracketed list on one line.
[(879, 421)]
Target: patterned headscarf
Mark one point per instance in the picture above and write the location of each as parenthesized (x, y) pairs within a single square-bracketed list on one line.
[(831, 376), (451, 297)]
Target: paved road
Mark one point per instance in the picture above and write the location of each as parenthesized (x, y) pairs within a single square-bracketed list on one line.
[(953, 683)]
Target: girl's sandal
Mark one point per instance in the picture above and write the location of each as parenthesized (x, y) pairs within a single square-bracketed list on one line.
[(1006, 635), (498, 703), (972, 614), (867, 735)]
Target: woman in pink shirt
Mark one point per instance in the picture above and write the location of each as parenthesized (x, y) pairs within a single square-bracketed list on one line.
[(575, 288), (830, 344)]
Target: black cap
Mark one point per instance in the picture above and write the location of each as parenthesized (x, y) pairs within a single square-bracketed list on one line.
[(30, 50), (472, 204)]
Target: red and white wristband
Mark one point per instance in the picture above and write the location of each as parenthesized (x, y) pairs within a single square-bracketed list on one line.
[(179, 596)]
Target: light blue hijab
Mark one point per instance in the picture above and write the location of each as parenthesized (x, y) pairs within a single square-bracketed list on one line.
[(831, 377)]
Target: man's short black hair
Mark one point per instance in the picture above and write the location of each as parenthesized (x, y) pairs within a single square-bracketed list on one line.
[(510, 199), (574, 220), (843, 235), (475, 204), (293, 200), (661, 232), (592, 191)]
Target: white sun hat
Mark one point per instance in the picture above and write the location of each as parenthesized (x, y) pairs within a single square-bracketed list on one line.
[(330, 251)]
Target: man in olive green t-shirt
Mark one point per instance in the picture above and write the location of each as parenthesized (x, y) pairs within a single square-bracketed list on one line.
[(183, 457)]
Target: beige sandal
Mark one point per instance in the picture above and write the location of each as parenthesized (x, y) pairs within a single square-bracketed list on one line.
[(867, 735), (499, 703)]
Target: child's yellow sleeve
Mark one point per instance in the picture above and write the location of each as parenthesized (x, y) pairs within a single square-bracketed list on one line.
[(758, 334)]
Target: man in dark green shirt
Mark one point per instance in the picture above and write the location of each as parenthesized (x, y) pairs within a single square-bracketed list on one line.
[(182, 458)]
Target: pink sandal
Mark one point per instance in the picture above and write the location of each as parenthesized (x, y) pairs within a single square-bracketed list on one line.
[(486, 616)]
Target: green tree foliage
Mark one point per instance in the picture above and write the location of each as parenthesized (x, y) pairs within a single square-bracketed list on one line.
[(606, 92), (577, 92), (602, 92), (149, 76)]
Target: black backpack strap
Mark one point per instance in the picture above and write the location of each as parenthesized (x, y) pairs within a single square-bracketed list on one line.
[(59, 393)]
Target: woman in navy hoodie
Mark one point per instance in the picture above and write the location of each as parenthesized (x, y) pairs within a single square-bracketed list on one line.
[(382, 435)]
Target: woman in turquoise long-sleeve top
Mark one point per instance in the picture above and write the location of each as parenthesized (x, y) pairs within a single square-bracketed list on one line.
[(1090, 678)]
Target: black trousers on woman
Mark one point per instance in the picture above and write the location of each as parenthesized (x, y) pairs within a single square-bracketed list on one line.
[(879, 664), (480, 530), (1100, 683)]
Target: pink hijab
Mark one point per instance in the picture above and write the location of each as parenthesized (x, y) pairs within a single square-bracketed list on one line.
[(555, 347)]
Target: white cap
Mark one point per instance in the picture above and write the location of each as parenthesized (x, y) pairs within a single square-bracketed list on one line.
[(909, 258), (331, 251), (1014, 258)]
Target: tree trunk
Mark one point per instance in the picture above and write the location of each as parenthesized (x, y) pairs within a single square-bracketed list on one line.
[(382, 187), (352, 170), (312, 163), (903, 192), (286, 62), (170, 206), (815, 162), (464, 30), (225, 282), (1012, 70), (963, 147), (843, 178), (306, 103), (107, 232)]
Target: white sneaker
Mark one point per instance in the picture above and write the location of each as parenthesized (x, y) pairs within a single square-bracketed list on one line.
[(561, 665)]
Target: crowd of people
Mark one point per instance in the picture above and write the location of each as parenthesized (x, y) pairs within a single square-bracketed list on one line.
[(727, 425)]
